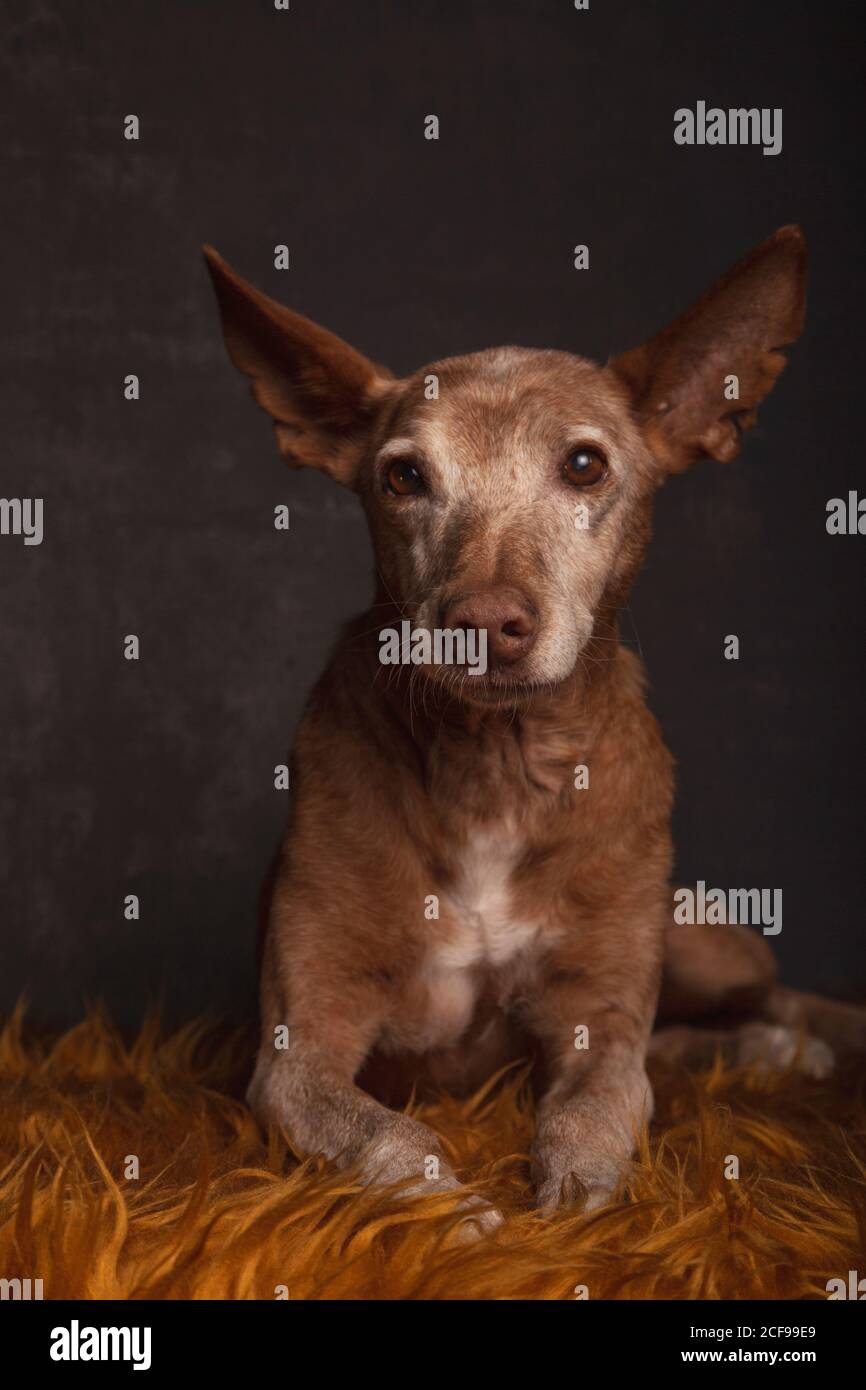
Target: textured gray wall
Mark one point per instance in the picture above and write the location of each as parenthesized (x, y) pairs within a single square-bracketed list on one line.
[(306, 127)]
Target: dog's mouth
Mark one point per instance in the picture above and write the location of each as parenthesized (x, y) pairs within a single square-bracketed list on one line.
[(493, 689)]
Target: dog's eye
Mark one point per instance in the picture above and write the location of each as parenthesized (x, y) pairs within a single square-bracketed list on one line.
[(403, 478), (585, 466)]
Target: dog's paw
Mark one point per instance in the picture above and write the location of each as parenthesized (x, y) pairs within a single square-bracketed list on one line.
[(405, 1149), (560, 1194), (578, 1184), (408, 1153), (557, 1194), (477, 1219), (773, 1047)]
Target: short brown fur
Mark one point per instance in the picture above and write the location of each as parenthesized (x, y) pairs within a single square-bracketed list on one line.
[(408, 783)]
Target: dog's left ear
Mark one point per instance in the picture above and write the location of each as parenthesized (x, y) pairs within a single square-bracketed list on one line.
[(696, 385)]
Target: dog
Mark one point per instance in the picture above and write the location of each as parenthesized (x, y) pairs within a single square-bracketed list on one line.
[(447, 898)]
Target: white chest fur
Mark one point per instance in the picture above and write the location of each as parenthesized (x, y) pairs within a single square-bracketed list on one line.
[(478, 928), (484, 930)]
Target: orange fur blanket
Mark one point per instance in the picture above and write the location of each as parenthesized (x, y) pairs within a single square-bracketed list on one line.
[(219, 1211)]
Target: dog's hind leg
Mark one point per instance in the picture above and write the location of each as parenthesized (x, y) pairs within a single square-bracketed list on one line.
[(766, 1046), (843, 1026), (725, 973), (714, 972), (719, 995)]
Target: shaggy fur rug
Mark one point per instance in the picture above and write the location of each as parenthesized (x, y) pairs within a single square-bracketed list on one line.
[(220, 1211)]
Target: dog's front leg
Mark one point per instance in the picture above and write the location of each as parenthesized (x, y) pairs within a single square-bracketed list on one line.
[(307, 1088), (598, 1098), (314, 1099)]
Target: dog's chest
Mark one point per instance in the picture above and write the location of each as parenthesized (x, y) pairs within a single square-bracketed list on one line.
[(479, 931), (483, 929)]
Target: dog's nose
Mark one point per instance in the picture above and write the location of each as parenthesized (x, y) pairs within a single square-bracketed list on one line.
[(504, 614)]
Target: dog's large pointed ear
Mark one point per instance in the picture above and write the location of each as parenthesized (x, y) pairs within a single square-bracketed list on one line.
[(696, 385), (323, 396)]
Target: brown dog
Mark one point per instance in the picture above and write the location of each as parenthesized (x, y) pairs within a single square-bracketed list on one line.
[(449, 891)]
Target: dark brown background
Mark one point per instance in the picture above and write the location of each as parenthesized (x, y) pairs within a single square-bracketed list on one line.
[(260, 127)]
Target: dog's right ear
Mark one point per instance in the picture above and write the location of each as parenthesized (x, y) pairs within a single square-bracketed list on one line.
[(323, 396)]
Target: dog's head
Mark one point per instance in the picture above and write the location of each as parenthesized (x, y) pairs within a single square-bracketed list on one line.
[(509, 491)]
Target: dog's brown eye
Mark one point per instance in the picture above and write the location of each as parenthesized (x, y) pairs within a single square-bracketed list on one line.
[(403, 478), (585, 467)]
